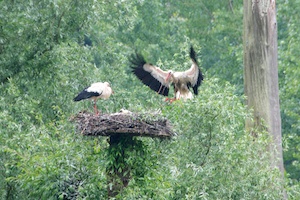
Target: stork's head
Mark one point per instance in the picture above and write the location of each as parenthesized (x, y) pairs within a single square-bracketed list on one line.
[(169, 77), (108, 85)]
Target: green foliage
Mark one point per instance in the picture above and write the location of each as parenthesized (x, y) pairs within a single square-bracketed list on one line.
[(289, 84), (30, 30), (213, 150), (45, 61)]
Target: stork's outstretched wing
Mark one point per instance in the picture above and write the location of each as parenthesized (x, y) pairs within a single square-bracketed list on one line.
[(194, 75), (150, 75)]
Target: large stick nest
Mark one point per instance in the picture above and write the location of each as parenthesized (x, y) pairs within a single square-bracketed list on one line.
[(123, 123)]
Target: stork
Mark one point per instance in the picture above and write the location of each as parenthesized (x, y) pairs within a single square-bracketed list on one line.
[(95, 91), (160, 80)]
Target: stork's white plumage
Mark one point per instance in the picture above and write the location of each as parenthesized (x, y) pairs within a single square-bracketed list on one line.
[(160, 80), (95, 91)]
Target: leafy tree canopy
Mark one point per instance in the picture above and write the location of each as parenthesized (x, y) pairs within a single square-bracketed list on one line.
[(51, 50)]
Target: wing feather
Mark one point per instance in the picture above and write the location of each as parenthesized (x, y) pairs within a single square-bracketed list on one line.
[(193, 76), (150, 75), (86, 94)]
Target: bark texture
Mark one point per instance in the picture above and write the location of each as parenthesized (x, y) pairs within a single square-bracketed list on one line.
[(261, 71)]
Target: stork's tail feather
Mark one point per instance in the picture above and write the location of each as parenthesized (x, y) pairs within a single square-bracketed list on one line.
[(193, 54)]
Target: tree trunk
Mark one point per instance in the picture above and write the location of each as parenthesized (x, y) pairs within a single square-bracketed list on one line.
[(261, 72)]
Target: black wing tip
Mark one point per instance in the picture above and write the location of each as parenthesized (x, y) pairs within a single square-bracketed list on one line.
[(77, 98), (80, 96), (199, 81), (200, 75), (137, 60), (86, 95), (193, 53)]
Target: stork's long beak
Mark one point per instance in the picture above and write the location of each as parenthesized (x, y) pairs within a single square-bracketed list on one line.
[(168, 77)]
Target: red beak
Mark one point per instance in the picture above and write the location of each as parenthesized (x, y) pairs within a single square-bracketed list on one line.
[(168, 77)]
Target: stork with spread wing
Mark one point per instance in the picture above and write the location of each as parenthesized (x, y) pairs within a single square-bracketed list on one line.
[(160, 80)]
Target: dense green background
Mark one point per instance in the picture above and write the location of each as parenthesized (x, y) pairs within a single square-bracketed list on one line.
[(50, 50)]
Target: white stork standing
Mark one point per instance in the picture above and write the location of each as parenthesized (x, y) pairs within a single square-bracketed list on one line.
[(94, 92), (160, 81)]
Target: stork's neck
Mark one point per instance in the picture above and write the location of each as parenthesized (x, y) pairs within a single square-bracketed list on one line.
[(170, 77)]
